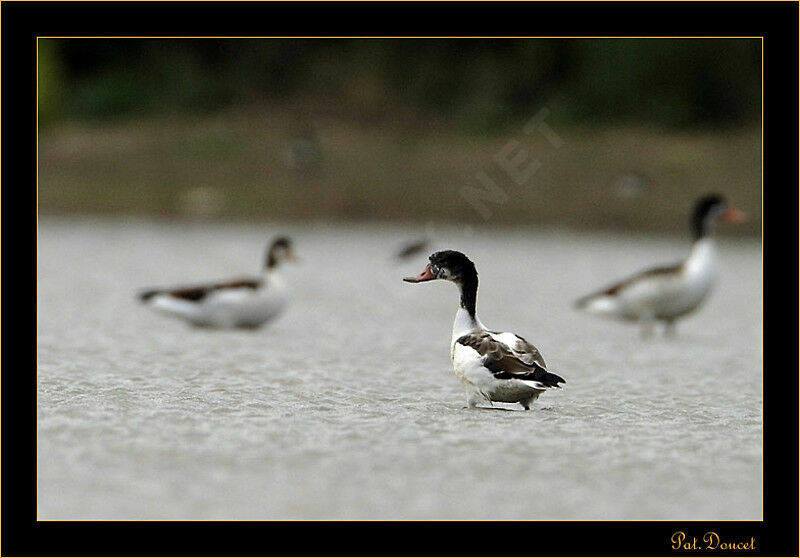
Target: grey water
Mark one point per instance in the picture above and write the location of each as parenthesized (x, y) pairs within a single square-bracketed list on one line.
[(347, 408)]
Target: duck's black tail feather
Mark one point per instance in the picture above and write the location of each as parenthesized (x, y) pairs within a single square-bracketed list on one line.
[(144, 296), (547, 378), (538, 374), (584, 301), (552, 380)]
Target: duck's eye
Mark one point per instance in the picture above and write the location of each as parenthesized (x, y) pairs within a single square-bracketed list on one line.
[(435, 269)]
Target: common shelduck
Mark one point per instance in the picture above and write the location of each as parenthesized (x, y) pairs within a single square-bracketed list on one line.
[(244, 302), (411, 249), (667, 293), (492, 365)]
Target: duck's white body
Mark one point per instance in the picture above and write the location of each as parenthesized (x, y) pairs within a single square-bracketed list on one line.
[(227, 307), (480, 383), (660, 294)]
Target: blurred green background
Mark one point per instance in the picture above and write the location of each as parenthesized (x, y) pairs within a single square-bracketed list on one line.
[(394, 129)]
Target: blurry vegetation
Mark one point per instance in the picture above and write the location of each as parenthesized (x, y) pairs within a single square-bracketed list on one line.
[(476, 85), (234, 165), (395, 129)]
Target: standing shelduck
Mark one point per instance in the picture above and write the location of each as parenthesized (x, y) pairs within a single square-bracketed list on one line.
[(243, 302), (492, 365), (667, 293)]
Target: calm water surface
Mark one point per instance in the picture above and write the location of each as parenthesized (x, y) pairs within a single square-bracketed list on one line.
[(347, 406)]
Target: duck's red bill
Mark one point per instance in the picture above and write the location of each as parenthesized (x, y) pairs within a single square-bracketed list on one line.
[(426, 275), (735, 216)]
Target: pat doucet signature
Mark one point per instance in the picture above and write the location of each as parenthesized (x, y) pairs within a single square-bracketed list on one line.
[(710, 541)]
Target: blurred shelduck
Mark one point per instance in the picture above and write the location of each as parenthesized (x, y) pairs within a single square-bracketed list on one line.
[(669, 292), (303, 152), (244, 302), (411, 249), (492, 365)]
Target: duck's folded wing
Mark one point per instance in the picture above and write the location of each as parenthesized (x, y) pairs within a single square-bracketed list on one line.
[(196, 293), (616, 288), (521, 349), (506, 363)]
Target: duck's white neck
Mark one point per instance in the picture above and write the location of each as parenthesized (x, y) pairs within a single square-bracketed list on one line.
[(272, 277), (466, 319), (702, 259), (464, 324)]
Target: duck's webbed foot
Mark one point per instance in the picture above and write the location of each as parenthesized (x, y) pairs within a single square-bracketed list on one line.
[(526, 403)]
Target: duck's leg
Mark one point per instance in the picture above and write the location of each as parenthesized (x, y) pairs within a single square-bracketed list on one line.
[(474, 399), (647, 324), (669, 329), (475, 396), (472, 394), (526, 403)]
